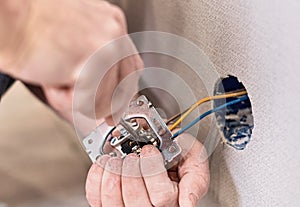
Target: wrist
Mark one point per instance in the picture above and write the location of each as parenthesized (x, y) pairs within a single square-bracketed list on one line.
[(14, 18)]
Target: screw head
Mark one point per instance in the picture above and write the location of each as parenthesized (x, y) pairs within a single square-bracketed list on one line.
[(172, 149), (140, 102)]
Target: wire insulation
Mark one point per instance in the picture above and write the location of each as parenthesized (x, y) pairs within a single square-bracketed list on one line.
[(194, 106), (243, 98)]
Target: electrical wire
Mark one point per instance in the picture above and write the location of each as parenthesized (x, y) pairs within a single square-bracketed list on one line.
[(176, 116), (190, 109), (194, 106), (243, 98)]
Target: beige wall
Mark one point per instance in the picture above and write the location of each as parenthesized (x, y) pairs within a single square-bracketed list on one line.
[(41, 161)]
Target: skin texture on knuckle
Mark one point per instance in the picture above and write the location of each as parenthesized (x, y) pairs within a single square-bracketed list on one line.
[(204, 179), (120, 17), (205, 184), (199, 185), (118, 13), (151, 161), (165, 199), (111, 182), (116, 21), (194, 164), (115, 29), (93, 186), (93, 182), (102, 160), (193, 171), (161, 190), (130, 168), (114, 166)]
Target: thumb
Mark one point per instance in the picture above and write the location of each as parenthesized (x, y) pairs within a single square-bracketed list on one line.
[(193, 171)]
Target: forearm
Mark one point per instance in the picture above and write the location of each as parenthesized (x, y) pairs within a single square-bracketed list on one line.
[(13, 20)]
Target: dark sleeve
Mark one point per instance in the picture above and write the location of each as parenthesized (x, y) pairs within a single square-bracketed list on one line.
[(5, 83)]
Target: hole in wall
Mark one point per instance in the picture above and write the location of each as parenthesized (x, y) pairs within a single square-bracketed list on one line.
[(236, 121)]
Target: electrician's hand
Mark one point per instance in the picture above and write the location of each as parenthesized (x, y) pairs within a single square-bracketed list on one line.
[(144, 181), (57, 40)]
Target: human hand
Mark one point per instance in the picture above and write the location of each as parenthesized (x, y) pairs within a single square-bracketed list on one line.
[(144, 181), (57, 40)]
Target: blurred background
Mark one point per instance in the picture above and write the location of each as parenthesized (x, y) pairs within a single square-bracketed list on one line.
[(42, 163)]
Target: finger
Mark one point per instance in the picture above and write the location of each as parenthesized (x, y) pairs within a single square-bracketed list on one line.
[(131, 63), (127, 86), (105, 92), (193, 171), (111, 194), (161, 190), (133, 187), (120, 17), (93, 182)]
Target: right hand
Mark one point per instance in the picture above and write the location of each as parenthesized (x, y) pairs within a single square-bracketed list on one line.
[(57, 40)]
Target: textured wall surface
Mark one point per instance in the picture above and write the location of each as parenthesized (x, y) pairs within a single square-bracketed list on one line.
[(257, 41)]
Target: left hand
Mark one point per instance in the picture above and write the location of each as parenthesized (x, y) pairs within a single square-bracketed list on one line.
[(144, 181)]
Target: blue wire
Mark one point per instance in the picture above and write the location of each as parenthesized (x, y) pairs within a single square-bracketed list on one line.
[(243, 98)]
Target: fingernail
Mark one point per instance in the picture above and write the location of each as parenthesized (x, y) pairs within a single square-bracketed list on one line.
[(193, 198), (114, 165), (132, 155), (101, 161), (131, 166), (148, 148)]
